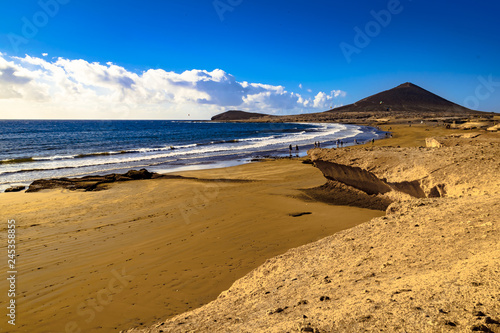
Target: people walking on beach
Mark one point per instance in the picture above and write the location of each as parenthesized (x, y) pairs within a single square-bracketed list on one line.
[(315, 144), (373, 141), (290, 147), (297, 150), (319, 145)]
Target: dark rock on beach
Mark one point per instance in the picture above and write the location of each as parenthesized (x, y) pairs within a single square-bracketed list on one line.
[(99, 183), (141, 174), (15, 189), (89, 183)]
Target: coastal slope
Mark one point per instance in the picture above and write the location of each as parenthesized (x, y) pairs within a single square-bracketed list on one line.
[(432, 264)]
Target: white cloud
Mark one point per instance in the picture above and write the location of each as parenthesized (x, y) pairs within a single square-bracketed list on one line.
[(32, 87), (45, 54), (324, 101)]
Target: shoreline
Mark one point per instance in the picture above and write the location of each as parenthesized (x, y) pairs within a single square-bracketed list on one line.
[(61, 219), (189, 163), (205, 152)]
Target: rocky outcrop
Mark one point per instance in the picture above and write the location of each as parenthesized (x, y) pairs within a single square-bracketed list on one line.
[(88, 183), (98, 183), (15, 189), (432, 143), (494, 128)]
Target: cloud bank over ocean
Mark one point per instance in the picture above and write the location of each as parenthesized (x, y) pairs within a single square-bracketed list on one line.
[(32, 87)]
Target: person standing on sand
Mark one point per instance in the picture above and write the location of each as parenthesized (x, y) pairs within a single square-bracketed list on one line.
[(290, 147), (297, 150)]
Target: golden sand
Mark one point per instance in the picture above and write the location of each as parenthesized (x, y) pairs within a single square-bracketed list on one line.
[(430, 265), (142, 251)]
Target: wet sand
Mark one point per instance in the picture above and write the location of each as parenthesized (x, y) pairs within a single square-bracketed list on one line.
[(143, 251)]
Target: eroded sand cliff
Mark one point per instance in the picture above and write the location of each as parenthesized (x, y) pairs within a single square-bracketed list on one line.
[(432, 264)]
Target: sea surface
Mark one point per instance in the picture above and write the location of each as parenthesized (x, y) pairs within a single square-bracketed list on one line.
[(40, 149)]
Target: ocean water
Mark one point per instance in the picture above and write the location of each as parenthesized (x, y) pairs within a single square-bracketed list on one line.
[(36, 149)]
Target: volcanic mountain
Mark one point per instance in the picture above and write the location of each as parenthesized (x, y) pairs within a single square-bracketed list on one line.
[(405, 97), (406, 101)]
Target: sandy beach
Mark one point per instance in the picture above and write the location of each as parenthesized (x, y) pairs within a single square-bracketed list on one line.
[(249, 167), (143, 251), (429, 265)]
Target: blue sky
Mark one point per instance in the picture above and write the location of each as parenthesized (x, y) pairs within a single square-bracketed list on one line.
[(282, 56)]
